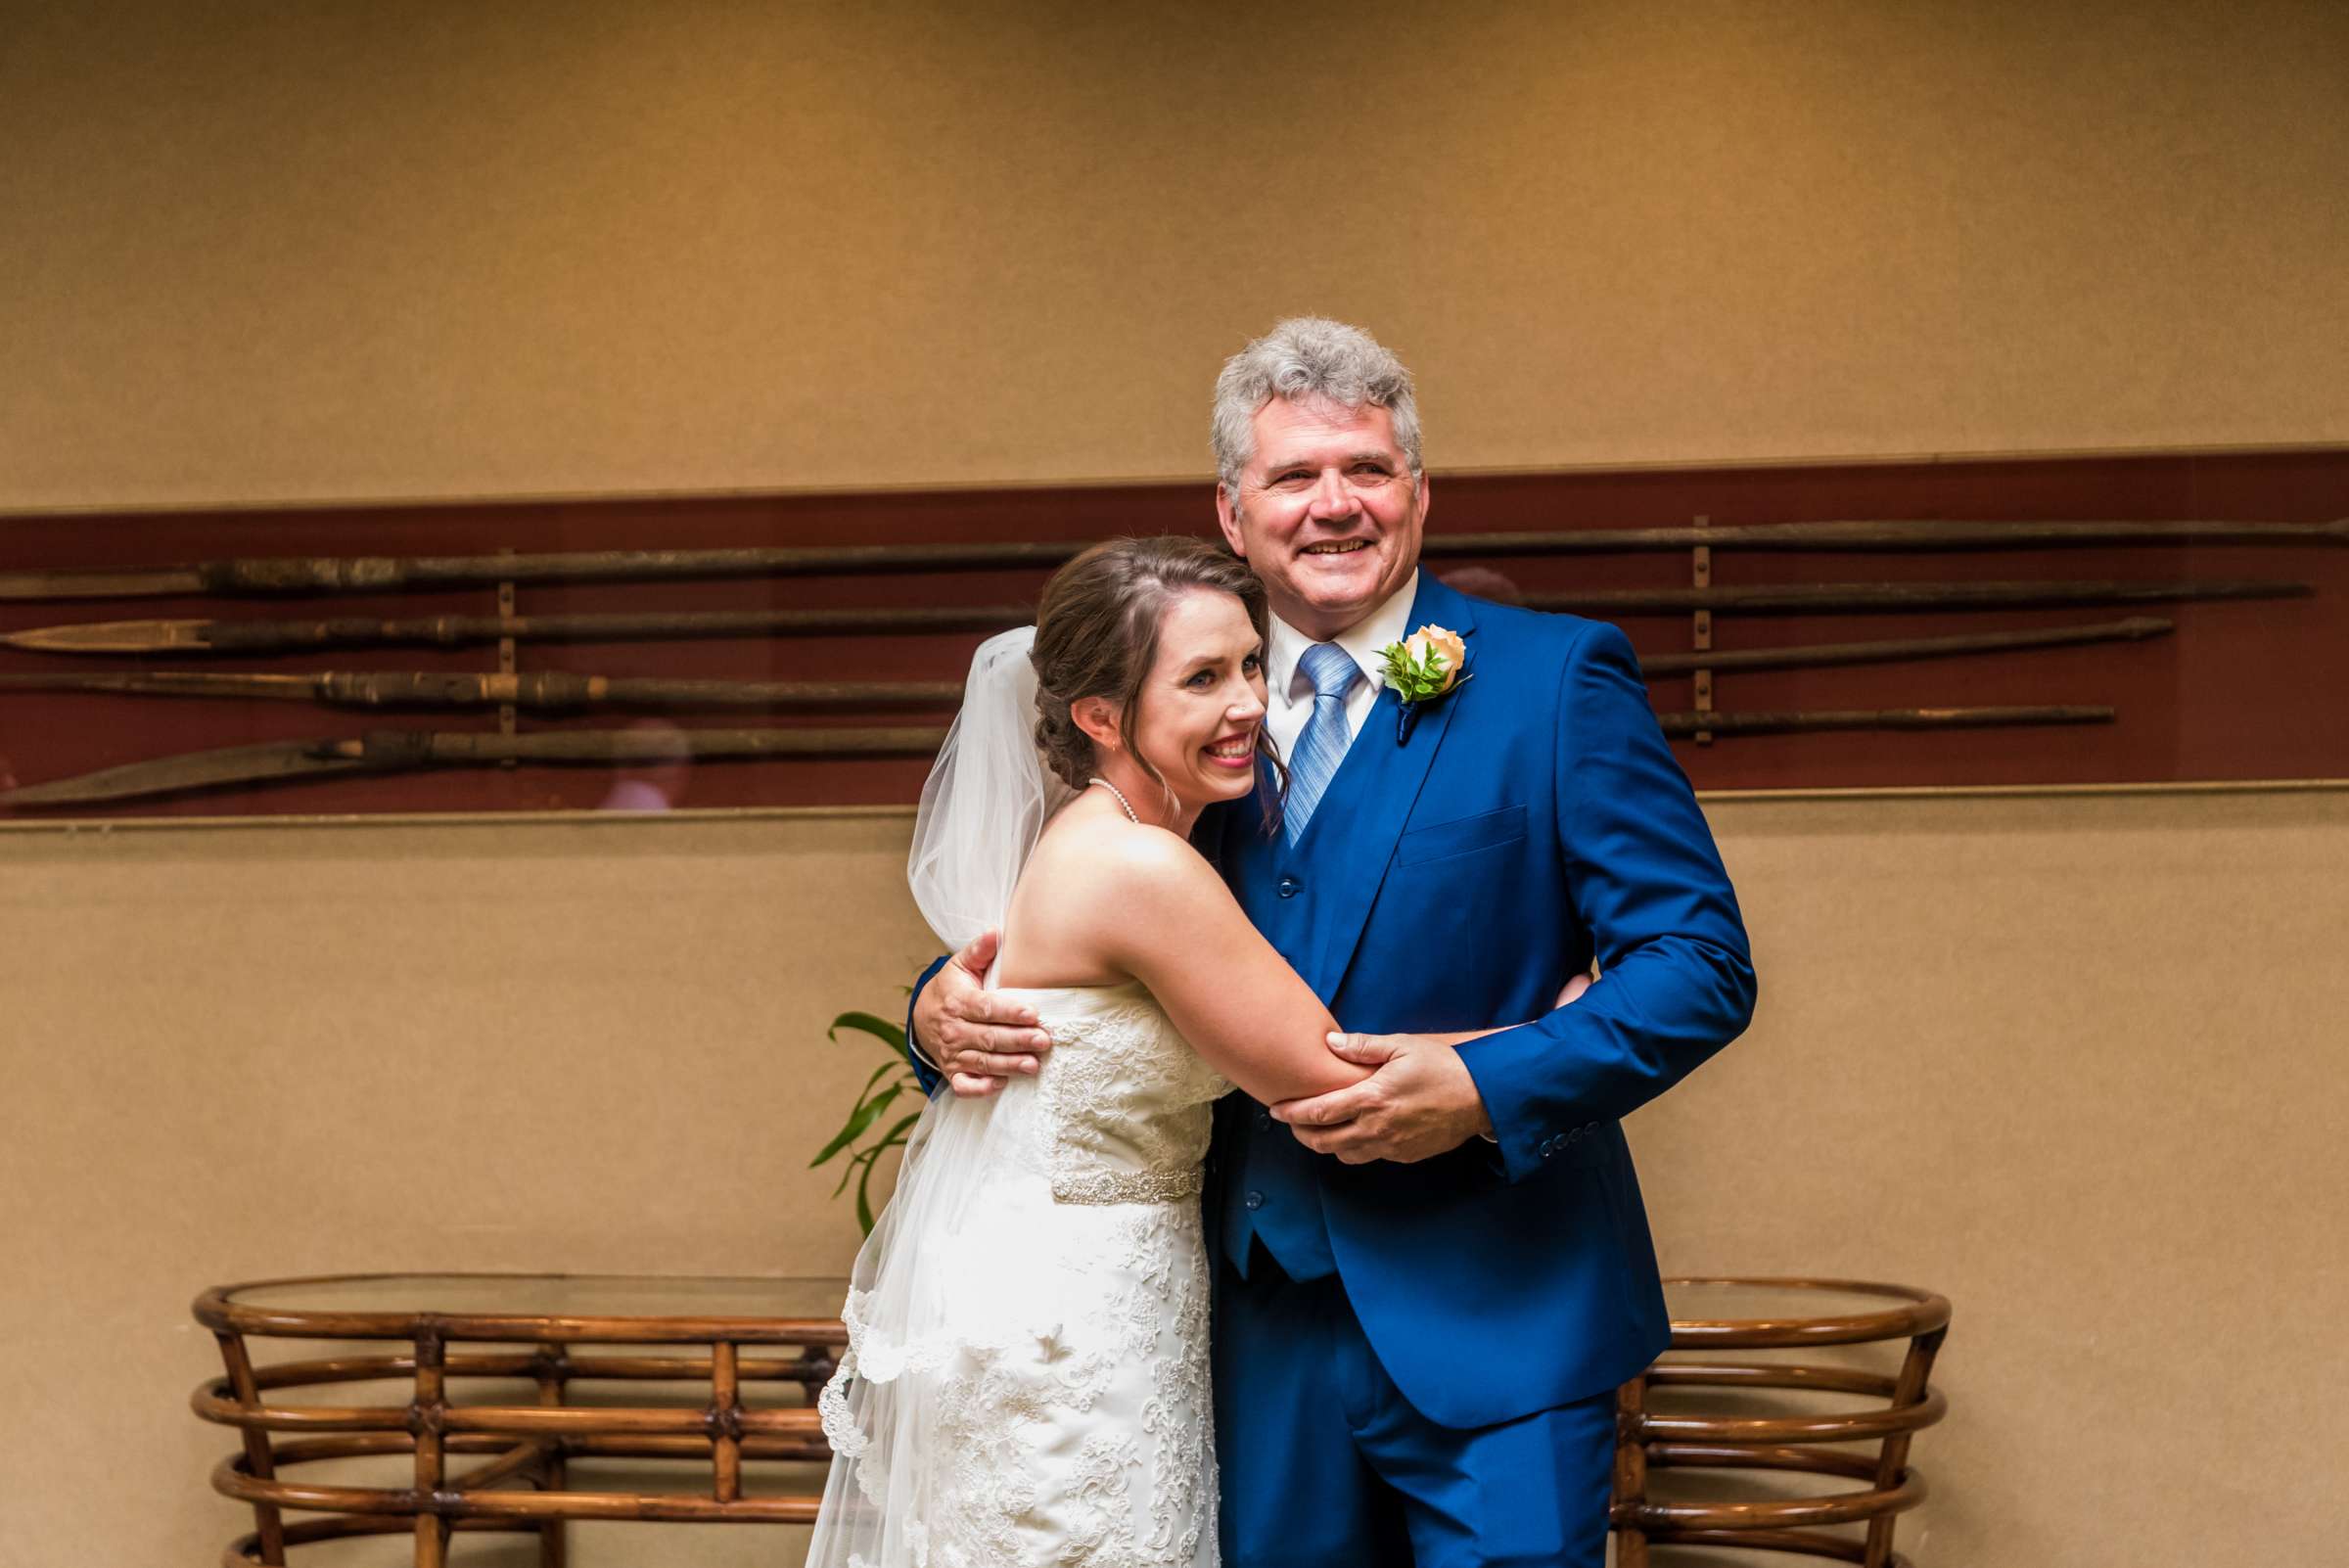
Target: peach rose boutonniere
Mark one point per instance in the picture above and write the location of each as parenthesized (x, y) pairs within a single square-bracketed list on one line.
[(1425, 668)]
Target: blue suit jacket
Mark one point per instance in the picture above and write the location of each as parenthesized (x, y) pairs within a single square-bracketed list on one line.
[(1533, 819)]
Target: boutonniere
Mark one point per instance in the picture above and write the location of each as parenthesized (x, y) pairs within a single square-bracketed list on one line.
[(1424, 669)]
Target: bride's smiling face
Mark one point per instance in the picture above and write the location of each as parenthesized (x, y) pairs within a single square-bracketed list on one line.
[(1202, 705)]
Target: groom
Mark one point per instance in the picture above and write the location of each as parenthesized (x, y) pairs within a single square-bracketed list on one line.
[(1430, 1284)]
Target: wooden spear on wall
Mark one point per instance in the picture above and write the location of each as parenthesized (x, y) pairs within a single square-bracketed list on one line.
[(329, 574), (557, 692), (207, 638), (539, 691), (415, 751)]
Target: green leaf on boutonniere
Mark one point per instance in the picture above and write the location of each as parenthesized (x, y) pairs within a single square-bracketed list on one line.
[(1414, 680), (1423, 669)]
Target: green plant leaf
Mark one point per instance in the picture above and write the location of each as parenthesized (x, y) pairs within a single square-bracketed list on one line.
[(872, 1158), (887, 1034), (861, 1158), (905, 1079), (866, 1114), (886, 1084)]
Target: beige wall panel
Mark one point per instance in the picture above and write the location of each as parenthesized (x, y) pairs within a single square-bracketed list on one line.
[(2072, 1060), (259, 252), (236, 1054)]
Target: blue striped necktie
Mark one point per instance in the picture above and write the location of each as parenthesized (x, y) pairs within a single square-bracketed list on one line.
[(1322, 746)]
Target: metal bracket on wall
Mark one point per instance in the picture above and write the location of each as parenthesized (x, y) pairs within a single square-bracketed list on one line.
[(1701, 576), (505, 654)]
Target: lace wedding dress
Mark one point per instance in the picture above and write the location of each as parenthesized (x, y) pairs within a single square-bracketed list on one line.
[(1025, 1380)]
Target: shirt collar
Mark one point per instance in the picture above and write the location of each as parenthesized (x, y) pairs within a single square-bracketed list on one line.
[(1361, 641)]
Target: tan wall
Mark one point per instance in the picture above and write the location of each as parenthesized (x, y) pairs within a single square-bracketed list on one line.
[(2073, 1060), (257, 252)]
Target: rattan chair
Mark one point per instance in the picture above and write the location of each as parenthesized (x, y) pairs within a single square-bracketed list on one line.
[(1866, 1443)]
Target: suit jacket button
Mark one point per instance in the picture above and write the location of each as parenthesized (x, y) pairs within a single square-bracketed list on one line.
[(1263, 1119), (1288, 886), (1255, 1200)]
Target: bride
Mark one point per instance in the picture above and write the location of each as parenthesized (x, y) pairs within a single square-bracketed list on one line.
[(1025, 1380)]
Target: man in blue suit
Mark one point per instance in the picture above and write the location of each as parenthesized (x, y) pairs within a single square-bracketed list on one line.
[(1431, 1283)]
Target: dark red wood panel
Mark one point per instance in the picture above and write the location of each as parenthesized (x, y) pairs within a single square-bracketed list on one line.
[(2242, 691)]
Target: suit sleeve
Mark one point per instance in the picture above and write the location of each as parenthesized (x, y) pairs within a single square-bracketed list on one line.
[(922, 1068), (1676, 973)]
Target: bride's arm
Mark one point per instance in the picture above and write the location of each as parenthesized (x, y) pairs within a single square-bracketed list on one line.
[(1168, 921), (1566, 997)]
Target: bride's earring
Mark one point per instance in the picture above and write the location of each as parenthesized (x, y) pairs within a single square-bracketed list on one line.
[(1097, 718)]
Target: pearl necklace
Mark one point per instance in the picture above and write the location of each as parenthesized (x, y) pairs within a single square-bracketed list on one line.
[(1122, 800)]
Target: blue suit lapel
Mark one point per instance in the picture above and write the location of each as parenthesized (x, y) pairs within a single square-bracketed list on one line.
[(1352, 836)]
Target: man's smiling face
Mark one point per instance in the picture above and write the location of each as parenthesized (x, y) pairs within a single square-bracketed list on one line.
[(1329, 512)]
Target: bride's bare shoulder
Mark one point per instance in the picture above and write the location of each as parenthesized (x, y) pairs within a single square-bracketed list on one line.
[(1095, 885), (1110, 854)]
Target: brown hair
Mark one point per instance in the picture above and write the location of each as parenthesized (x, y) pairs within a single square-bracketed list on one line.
[(1096, 635)]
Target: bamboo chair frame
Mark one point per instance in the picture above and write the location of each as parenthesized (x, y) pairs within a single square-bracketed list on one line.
[(1801, 1444), (522, 1483), (522, 1487)]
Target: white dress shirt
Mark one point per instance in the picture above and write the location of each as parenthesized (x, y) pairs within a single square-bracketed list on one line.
[(1289, 693)]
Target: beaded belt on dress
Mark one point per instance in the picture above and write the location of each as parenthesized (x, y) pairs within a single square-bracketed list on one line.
[(1130, 1186)]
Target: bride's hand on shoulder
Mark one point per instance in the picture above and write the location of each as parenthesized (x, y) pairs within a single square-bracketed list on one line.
[(980, 1039)]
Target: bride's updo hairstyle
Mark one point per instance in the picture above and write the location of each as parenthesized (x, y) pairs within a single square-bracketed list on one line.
[(1096, 635)]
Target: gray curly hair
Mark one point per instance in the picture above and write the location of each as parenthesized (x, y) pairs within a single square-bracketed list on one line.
[(1307, 357)]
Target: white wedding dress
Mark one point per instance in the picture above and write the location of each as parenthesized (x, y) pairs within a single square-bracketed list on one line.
[(1026, 1381)]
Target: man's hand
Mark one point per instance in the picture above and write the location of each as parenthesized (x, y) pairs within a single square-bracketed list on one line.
[(1420, 1103), (975, 1037)]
